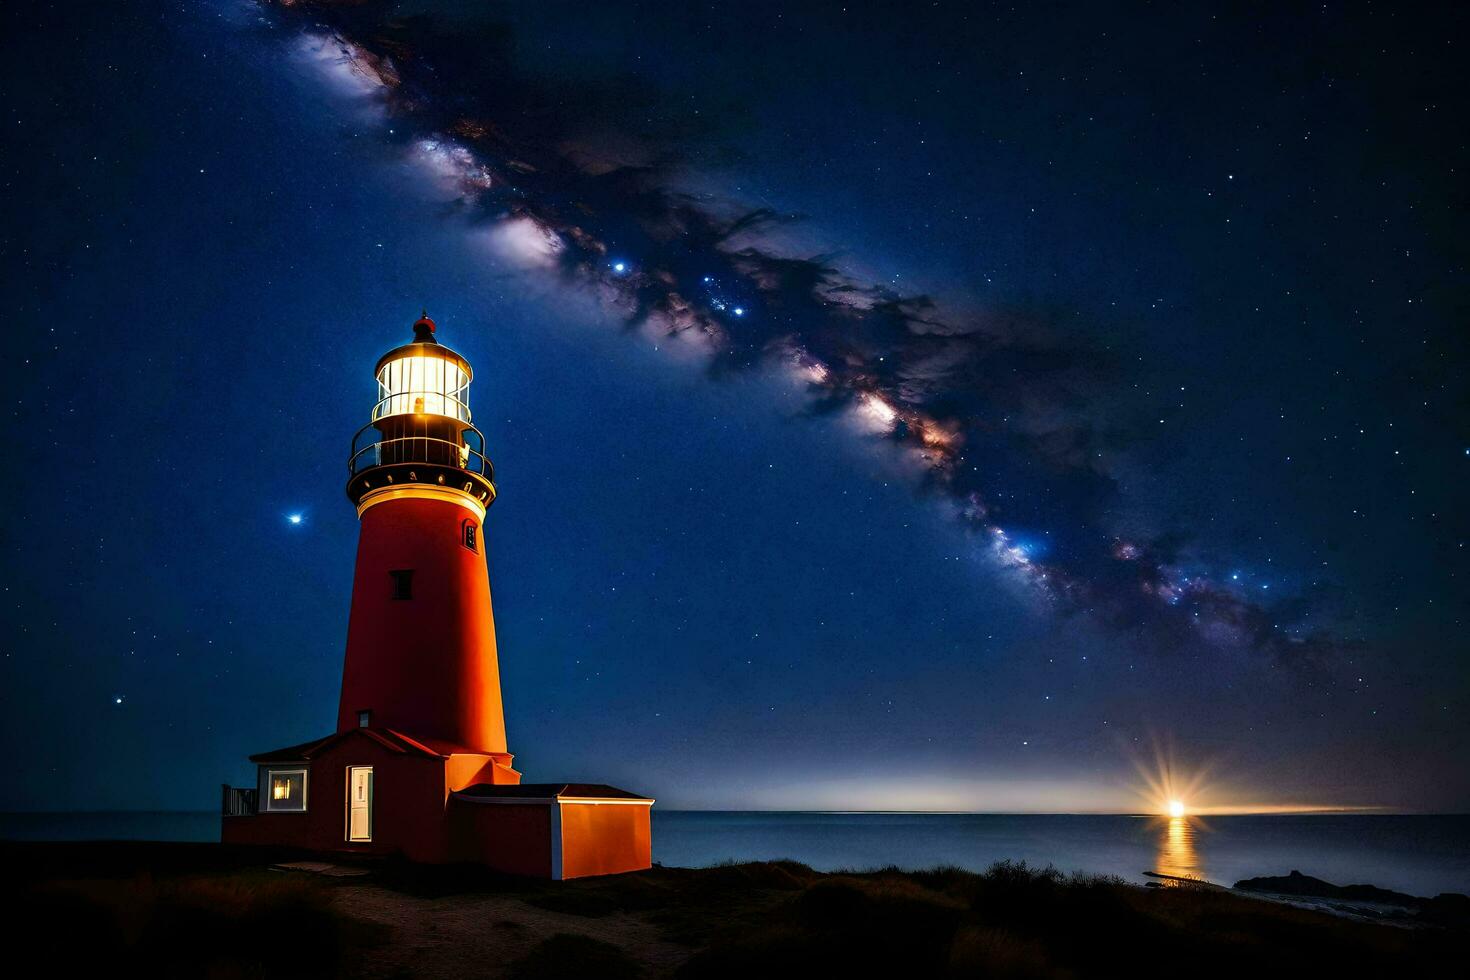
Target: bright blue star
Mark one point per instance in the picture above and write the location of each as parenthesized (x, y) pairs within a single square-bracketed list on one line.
[(739, 311), (620, 267), (293, 518)]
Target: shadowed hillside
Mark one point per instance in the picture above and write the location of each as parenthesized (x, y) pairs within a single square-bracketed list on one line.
[(188, 910)]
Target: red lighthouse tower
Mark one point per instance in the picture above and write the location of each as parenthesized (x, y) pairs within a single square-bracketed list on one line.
[(421, 651), (419, 764)]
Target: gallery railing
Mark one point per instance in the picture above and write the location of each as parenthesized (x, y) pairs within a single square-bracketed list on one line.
[(370, 447), (237, 801)]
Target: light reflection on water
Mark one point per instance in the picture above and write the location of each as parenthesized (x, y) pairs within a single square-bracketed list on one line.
[(1178, 854)]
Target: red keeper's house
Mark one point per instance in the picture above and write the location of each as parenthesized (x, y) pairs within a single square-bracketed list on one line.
[(418, 764)]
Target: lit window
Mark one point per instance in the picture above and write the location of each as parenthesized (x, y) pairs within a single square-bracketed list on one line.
[(402, 583), (286, 789)]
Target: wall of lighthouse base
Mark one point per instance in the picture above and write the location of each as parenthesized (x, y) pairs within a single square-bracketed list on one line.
[(459, 808)]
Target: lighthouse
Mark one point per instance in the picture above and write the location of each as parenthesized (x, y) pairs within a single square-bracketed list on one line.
[(421, 651), (419, 763)]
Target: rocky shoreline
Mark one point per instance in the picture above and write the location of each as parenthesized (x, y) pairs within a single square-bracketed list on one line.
[(1450, 909)]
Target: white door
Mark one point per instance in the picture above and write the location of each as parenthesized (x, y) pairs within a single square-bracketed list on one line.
[(360, 803)]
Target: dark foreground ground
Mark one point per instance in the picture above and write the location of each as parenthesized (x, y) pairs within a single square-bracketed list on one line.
[(169, 910)]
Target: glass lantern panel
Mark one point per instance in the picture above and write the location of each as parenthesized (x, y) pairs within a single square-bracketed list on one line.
[(419, 385)]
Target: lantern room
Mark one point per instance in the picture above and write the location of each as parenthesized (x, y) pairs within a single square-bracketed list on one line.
[(423, 378), (420, 430)]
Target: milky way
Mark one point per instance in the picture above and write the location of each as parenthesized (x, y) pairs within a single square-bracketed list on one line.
[(1015, 426)]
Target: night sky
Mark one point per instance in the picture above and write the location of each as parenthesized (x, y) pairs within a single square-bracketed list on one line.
[(893, 406)]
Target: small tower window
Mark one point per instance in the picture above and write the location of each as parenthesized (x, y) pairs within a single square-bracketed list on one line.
[(364, 719), (402, 583), (471, 536)]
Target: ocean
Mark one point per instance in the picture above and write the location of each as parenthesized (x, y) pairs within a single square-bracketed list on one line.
[(1421, 855)]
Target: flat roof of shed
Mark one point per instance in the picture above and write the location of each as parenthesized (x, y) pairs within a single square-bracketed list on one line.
[(489, 793)]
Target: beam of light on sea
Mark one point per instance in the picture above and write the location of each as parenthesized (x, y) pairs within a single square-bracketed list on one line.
[(1177, 853)]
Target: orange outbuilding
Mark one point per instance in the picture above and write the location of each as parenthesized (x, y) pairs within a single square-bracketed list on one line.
[(419, 764)]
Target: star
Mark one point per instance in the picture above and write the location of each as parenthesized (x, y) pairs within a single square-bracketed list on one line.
[(293, 519)]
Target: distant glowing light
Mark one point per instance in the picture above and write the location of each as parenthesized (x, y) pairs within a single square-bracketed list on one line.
[(620, 267), (739, 311), (117, 700), (293, 518), (1166, 786)]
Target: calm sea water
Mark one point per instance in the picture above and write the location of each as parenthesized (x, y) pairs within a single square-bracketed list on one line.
[(1422, 855)]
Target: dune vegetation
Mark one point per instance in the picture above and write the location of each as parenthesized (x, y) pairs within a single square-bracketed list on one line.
[(207, 910)]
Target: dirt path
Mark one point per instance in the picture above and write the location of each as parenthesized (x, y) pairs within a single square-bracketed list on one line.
[(480, 935)]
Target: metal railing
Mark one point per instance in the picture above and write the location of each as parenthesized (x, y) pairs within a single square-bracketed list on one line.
[(370, 448), (414, 402), (237, 801)]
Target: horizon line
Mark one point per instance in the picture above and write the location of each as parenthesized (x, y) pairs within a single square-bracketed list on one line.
[(1202, 812)]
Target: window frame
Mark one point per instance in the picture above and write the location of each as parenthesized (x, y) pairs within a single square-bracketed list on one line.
[(347, 815), (269, 791), (402, 579)]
